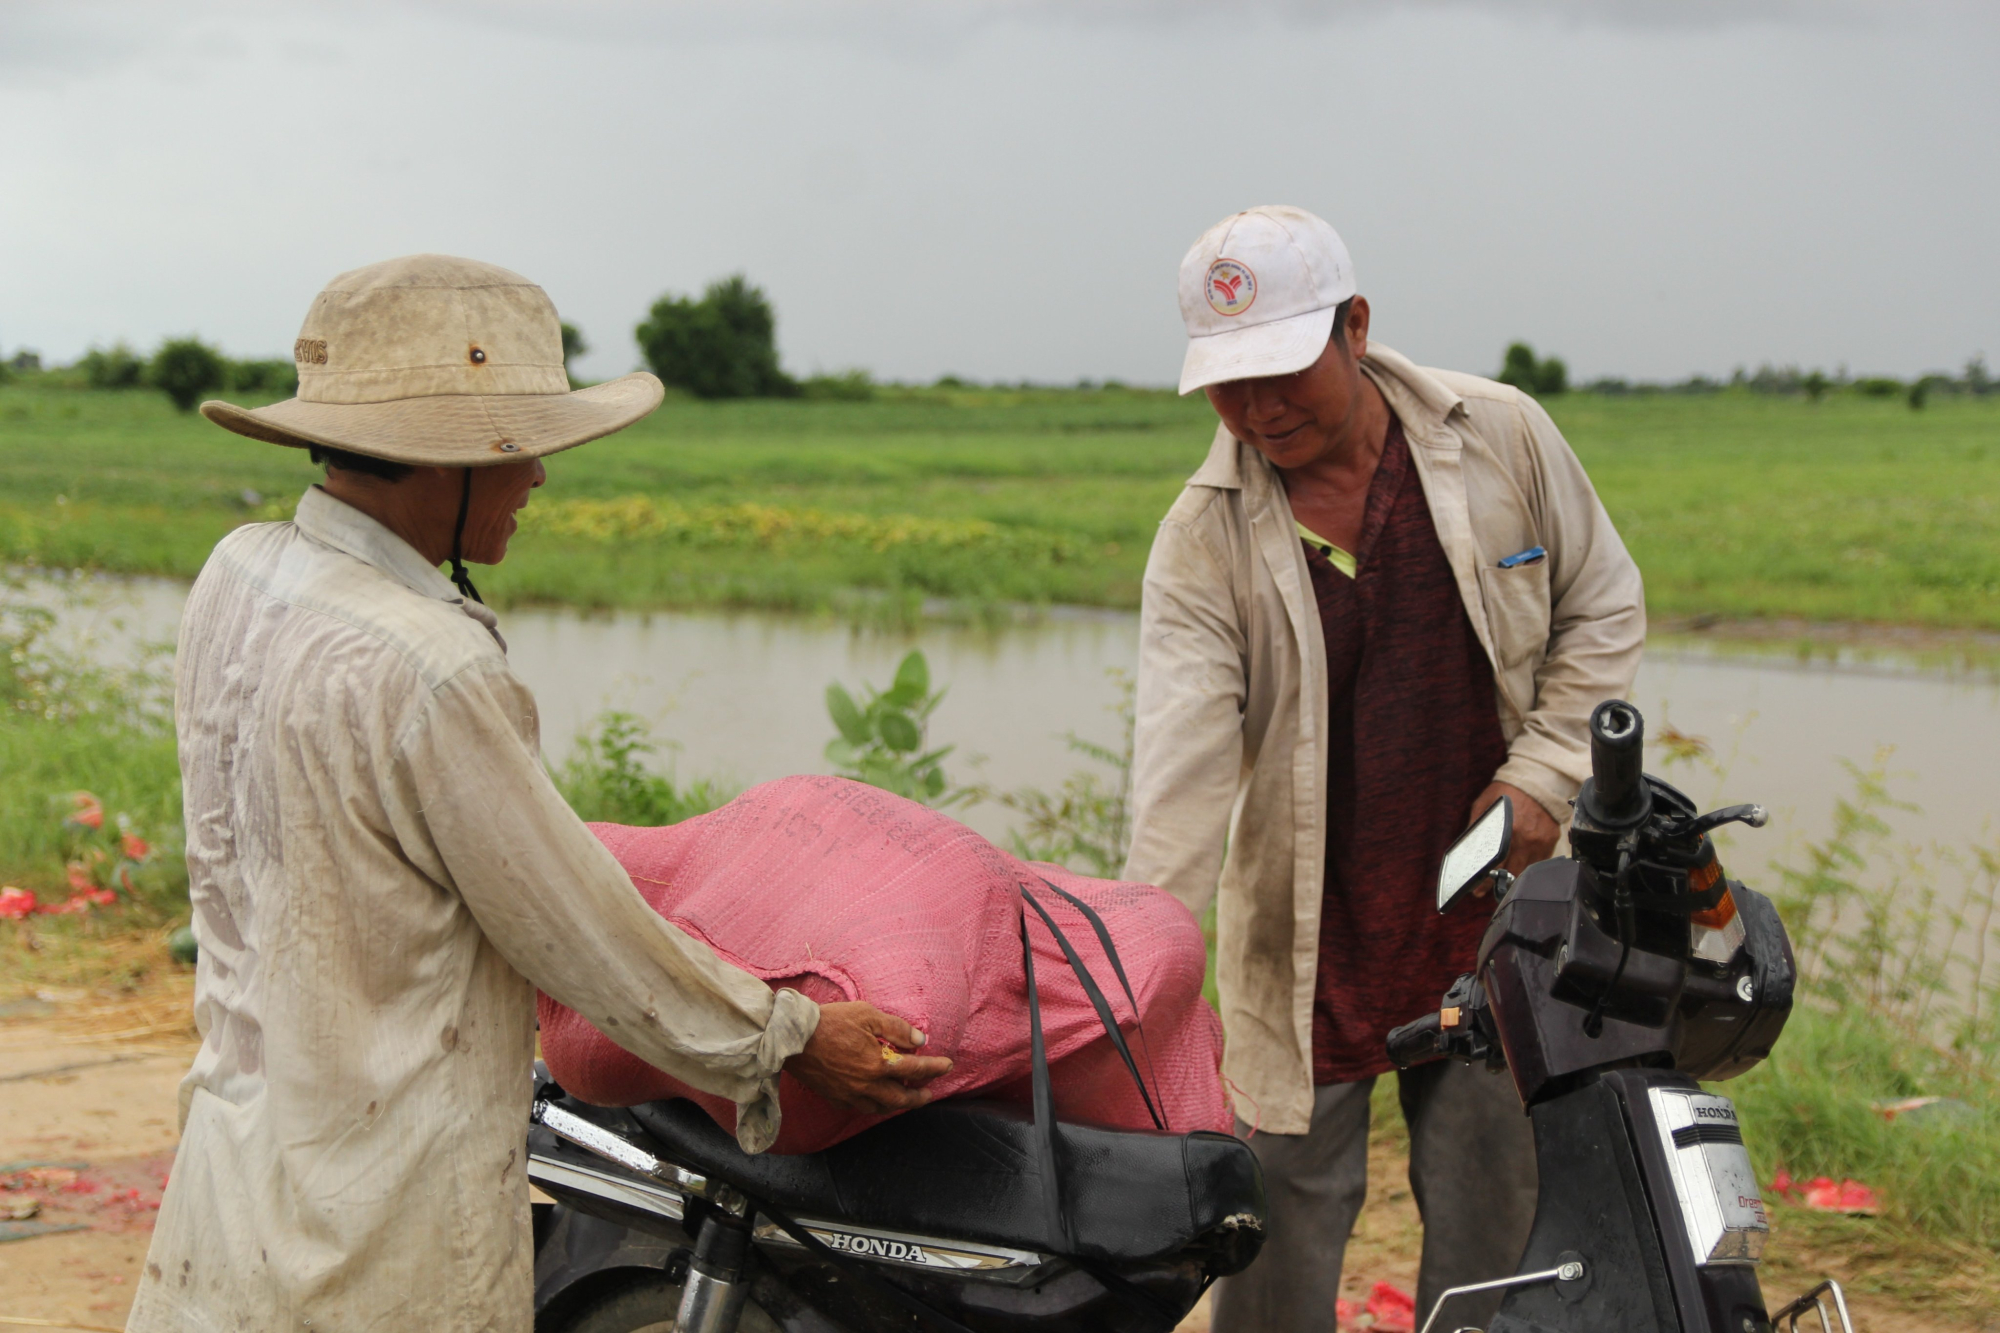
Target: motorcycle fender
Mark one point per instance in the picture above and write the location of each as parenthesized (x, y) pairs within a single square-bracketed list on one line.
[(576, 1248)]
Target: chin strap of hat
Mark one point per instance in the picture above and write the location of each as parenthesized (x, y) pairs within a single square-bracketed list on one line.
[(458, 573)]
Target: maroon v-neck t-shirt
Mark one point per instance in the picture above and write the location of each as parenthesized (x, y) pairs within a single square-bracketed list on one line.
[(1413, 737)]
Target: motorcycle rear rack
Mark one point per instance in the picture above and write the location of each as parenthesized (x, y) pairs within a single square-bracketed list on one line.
[(1815, 1302)]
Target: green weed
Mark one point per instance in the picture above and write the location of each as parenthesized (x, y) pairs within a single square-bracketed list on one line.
[(881, 739), (606, 778), (1896, 1001), (1086, 824)]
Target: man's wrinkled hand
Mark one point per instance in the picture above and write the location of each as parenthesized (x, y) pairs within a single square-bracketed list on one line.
[(861, 1058), (1535, 833)]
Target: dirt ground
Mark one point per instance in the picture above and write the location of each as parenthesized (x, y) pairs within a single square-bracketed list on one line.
[(87, 1130), (87, 1134)]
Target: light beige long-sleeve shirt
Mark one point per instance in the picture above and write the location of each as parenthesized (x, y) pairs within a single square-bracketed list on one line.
[(382, 874), (1232, 702)]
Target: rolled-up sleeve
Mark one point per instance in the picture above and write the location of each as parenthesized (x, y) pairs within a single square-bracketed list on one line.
[(557, 905)]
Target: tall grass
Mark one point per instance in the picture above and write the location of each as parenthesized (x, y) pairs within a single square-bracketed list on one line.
[(1896, 1001), (68, 727), (87, 774)]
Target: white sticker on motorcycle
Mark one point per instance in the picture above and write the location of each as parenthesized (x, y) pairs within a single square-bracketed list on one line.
[(915, 1251), (1721, 1205)]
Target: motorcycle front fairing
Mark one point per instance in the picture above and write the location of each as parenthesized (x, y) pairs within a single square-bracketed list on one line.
[(1609, 982), (1549, 955)]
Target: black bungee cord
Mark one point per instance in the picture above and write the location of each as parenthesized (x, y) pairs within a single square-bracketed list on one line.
[(459, 575)]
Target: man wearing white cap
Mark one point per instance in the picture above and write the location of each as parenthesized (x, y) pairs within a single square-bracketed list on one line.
[(382, 873), (1388, 598)]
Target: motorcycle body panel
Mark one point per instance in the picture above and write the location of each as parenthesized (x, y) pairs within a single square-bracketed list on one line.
[(943, 1202), (1624, 1213)]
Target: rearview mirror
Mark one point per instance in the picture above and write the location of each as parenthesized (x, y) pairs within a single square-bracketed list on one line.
[(1478, 849)]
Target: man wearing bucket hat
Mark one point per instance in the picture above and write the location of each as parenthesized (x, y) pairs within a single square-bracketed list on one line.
[(381, 871), (1388, 598)]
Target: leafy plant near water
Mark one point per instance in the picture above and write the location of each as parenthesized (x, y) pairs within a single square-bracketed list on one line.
[(1086, 824), (1896, 1000), (606, 778), (881, 740)]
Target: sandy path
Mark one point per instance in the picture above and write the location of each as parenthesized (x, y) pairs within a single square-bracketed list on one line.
[(102, 1116)]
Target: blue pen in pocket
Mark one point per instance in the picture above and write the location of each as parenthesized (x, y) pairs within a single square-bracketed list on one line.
[(1527, 557)]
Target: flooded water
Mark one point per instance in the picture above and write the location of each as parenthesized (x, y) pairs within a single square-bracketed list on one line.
[(741, 697)]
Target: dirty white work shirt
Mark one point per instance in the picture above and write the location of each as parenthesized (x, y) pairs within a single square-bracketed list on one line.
[(382, 874)]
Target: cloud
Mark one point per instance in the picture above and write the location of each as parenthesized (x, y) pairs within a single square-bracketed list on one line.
[(869, 20)]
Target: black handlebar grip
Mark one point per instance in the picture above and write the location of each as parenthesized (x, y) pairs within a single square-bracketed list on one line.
[(1617, 759), (1417, 1042)]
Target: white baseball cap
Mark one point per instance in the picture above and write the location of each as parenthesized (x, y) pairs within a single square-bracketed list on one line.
[(1258, 292)]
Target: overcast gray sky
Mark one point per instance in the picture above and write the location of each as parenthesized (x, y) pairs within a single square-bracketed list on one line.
[(1004, 190)]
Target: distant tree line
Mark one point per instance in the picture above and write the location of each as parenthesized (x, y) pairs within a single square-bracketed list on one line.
[(723, 344), (187, 370), (1973, 381)]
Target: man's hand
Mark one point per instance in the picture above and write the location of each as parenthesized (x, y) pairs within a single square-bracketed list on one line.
[(848, 1063), (1535, 833)]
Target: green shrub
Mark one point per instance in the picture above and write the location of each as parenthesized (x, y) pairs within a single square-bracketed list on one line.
[(1520, 369), (275, 377), (187, 370), (115, 367), (573, 346), (721, 346), (606, 778), (1878, 386), (854, 386)]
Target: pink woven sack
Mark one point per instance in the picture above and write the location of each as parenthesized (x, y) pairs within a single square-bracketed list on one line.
[(845, 892)]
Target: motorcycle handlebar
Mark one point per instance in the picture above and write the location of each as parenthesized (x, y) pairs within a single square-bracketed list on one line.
[(1417, 1042), (1617, 760)]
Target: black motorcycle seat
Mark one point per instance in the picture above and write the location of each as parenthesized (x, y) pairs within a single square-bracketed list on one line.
[(969, 1169)]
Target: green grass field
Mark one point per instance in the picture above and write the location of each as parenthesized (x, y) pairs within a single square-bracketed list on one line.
[(1736, 506)]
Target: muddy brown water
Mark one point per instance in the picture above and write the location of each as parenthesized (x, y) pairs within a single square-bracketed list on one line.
[(741, 697)]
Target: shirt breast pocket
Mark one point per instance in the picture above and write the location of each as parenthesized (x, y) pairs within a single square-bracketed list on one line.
[(1517, 609)]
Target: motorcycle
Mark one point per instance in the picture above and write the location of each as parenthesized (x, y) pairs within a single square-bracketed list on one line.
[(1608, 984), (965, 1216)]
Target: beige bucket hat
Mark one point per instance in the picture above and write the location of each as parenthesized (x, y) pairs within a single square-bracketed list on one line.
[(441, 362)]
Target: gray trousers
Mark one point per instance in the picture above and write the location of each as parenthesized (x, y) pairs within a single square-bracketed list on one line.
[(1472, 1170)]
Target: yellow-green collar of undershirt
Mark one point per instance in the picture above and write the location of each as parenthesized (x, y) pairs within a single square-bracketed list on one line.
[(1336, 557)]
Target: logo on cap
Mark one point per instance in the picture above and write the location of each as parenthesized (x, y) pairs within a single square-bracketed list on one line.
[(1231, 287)]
